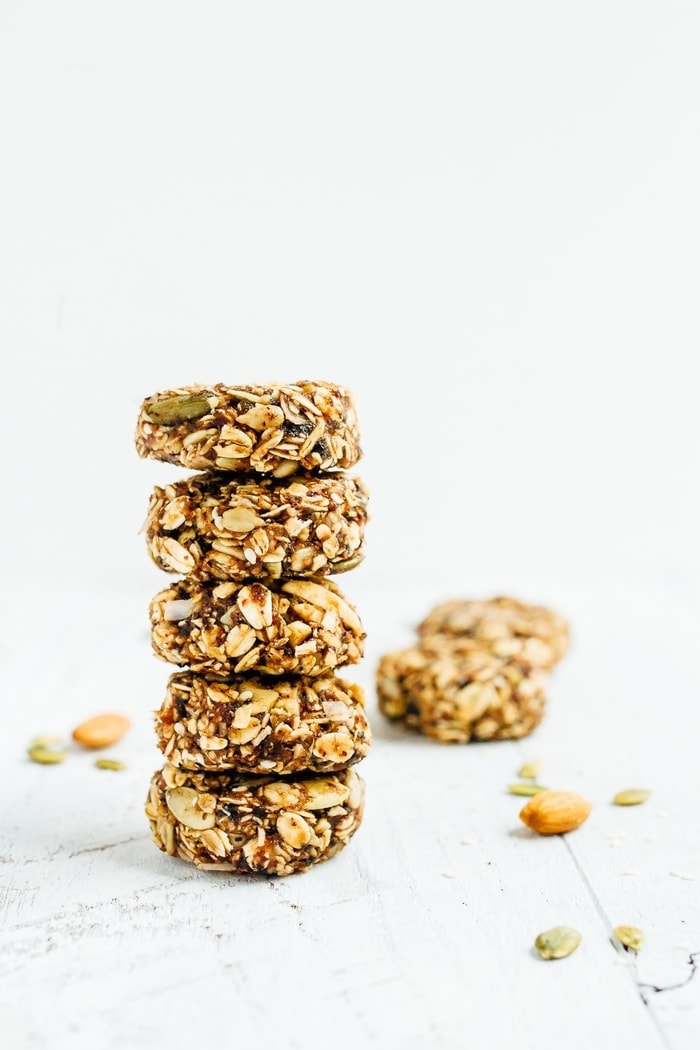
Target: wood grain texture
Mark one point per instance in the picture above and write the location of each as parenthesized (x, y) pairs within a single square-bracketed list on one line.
[(420, 933)]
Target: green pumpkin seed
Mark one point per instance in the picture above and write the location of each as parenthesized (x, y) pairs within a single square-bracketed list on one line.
[(178, 409), (530, 770), (558, 942), (526, 789), (109, 763), (630, 937), (46, 756), (631, 797), (347, 563)]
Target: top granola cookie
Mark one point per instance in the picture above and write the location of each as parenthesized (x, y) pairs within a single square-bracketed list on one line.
[(272, 429), (504, 625)]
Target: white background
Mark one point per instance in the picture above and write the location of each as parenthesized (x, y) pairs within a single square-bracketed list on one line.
[(481, 217)]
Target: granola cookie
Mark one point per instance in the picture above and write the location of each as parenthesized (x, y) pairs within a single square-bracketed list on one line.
[(284, 626), (455, 696), (271, 429), (253, 825), (506, 626), (262, 725), (215, 526)]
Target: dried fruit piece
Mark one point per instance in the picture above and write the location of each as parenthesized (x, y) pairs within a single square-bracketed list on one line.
[(558, 942), (172, 410), (526, 789), (631, 797), (555, 812), (630, 937), (101, 731), (45, 756), (109, 763)]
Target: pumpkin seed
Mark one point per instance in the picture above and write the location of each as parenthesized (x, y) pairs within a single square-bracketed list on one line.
[(530, 770), (526, 789), (630, 937), (178, 409), (631, 797), (558, 942), (46, 756)]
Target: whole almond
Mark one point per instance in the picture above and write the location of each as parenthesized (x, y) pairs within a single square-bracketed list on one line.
[(101, 731), (554, 812)]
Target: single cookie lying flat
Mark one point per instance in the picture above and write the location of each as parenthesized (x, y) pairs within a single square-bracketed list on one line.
[(253, 825), (457, 696), (262, 725), (298, 626), (268, 429), (216, 526), (506, 626)]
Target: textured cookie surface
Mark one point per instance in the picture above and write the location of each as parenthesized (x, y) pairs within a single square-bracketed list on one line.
[(234, 528), (270, 429), (262, 725), (506, 626), (455, 696), (283, 626), (253, 825)]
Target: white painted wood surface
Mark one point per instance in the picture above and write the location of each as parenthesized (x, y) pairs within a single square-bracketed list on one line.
[(420, 933), (480, 218)]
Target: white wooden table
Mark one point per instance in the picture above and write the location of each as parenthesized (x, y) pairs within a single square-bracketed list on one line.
[(420, 933)]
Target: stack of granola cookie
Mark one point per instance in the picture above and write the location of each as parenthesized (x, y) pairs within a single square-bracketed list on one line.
[(479, 670), (259, 734)]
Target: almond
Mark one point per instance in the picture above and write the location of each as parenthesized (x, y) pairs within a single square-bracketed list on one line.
[(101, 731), (554, 812)]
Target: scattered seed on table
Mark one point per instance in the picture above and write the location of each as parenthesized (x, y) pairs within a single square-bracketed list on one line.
[(46, 741), (558, 942), (109, 763), (631, 797), (46, 756), (630, 937), (530, 770), (528, 789)]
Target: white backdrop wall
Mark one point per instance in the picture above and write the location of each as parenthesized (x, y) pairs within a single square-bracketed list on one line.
[(483, 218)]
